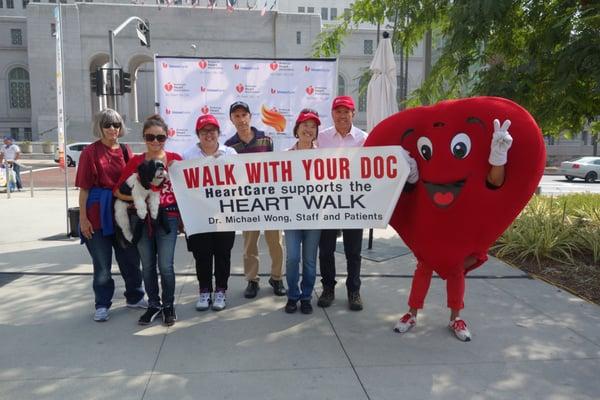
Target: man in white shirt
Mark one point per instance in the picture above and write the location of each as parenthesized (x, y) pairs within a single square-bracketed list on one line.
[(341, 134), (11, 153)]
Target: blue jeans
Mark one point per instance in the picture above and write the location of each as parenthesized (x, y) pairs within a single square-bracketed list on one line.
[(158, 250), (308, 240), (17, 169), (100, 248)]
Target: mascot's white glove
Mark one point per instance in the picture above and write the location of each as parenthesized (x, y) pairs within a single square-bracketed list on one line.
[(413, 174), (501, 142)]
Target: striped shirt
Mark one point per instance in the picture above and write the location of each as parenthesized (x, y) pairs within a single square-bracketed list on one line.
[(260, 143)]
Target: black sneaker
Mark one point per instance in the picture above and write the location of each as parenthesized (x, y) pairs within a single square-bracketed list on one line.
[(278, 288), (169, 316), (251, 290), (354, 301), (327, 297), (291, 306), (306, 307), (149, 316)]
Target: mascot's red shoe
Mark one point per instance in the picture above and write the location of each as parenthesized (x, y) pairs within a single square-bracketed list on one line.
[(451, 213)]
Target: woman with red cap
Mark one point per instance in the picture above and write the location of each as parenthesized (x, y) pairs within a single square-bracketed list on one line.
[(305, 240), (210, 245)]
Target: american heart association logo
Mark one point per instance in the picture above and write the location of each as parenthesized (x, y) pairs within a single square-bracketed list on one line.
[(273, 91), (239, 88), (310, 90), (202, 64), (171, 132), (204, 110), (236, 66), (274, 66), (306, 68), (168, 111), (202, 89), (168, 86), (165, 65)]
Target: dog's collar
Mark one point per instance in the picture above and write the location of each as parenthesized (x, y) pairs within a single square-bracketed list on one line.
[(155, 188)]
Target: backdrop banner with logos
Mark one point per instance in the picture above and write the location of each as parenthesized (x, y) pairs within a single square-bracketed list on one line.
[(275, 90), (308, 189)]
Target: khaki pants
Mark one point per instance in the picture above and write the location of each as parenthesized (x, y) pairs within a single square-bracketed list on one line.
[(274, 241)]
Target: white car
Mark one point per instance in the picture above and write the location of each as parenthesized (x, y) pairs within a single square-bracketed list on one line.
[(587, 168), (72, 153)]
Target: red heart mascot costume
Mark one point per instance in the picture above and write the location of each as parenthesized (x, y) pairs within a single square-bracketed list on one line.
[(479, 162)]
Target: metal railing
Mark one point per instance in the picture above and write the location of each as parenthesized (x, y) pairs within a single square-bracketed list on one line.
[(7, 171)]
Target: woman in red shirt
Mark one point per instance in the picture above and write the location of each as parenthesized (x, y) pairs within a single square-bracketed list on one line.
[(157, 242), (100, 166)]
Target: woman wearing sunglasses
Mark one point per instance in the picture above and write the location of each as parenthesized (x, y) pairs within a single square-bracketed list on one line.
[(302, 242), (210, 245), (99, 168), (157, 242)]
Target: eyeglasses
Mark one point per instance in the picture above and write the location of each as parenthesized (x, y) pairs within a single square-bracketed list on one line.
[(148, 137), (206, 132), (116, 125)]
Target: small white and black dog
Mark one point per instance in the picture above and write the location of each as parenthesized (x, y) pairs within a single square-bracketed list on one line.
[(144, 186)]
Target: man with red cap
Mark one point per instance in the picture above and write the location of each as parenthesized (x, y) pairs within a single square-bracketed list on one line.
[(342, 134)]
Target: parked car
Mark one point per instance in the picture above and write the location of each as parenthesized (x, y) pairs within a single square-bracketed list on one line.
[(587, 168), (72, 153)]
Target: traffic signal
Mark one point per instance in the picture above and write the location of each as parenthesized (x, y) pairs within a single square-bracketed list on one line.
[(125, 82), (96, 82), (143, 32)]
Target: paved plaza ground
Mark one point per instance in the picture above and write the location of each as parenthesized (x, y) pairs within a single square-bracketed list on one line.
[(530, 340)]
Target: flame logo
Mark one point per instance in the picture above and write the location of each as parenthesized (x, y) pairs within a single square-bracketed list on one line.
[(272, 118)]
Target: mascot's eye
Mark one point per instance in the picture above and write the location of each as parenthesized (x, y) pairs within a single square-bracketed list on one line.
[(460, 145), (425, 147)]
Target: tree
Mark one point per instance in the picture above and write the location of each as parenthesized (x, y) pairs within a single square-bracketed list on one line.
[(543, 54)]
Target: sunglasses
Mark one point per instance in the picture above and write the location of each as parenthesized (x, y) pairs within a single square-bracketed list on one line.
[(116, 125), (150, 137)]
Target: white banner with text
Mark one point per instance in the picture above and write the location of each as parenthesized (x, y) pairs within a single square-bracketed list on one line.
[(310, 189)]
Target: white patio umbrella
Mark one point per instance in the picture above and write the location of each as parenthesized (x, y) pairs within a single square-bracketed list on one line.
[(381, 92)]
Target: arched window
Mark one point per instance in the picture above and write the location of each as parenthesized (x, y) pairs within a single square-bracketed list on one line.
[(341, 86), (18, 81), (362, 97)]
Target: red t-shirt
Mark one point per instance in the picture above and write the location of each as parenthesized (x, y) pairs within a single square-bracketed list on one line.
[(167, 197), (99, 166)]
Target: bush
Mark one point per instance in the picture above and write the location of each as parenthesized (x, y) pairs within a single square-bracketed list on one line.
[(564, 229)]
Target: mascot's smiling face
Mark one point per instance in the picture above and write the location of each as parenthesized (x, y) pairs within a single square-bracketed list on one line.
[(451, 212), (447, 152)]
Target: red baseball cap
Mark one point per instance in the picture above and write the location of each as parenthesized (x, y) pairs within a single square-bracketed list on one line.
[(343, 101), (307, 115), (204, 120)]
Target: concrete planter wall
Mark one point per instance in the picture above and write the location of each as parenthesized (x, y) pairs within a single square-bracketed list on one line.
[(47, 148)]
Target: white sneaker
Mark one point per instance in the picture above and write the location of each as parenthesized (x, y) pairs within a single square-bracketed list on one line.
[(101, 314), (459, 327), (405, 323), (203, 302), (219, 302), (140, 304)]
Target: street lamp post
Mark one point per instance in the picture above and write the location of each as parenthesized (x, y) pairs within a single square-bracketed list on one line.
[(144, 39)]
